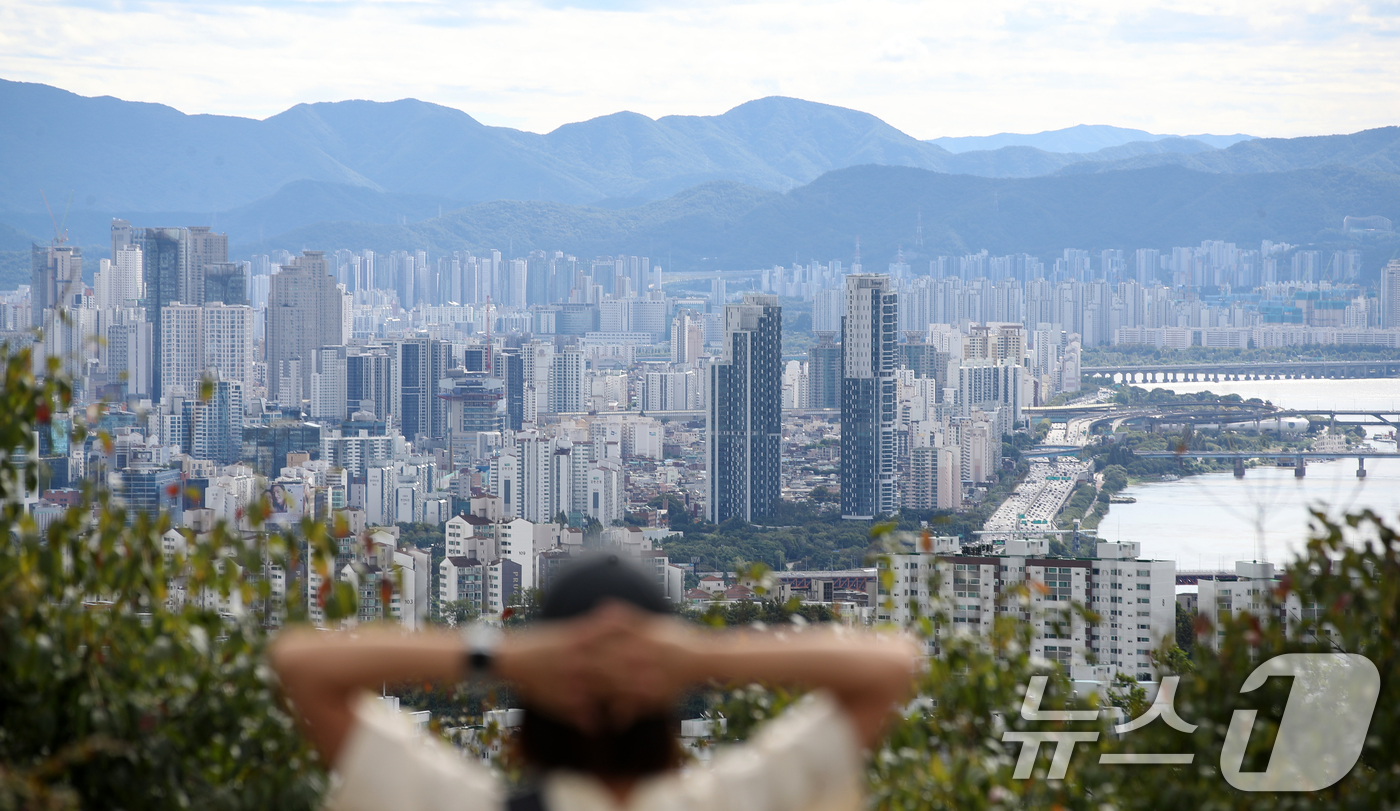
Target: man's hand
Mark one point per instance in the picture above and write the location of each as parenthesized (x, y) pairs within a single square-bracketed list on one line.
[(605, 668)]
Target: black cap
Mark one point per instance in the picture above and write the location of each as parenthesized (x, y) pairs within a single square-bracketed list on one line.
[(593, 580)]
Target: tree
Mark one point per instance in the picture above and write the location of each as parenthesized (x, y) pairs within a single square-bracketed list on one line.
[(119, 688), (459, 612), (1185, 630)]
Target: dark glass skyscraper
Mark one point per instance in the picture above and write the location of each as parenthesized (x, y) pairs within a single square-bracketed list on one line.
[(824, 372), (744, 412), (869, 344), (510, 368), (165, 259)]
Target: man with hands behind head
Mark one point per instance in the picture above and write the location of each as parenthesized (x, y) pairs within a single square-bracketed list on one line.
[(599, 675)]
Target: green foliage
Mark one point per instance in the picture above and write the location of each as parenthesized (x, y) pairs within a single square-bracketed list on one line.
[(422, 535), (767, 612), (1354, 591), (122, 683), (1115, 478), (458, 613), (116, 692), (1126, 694), (1079, 503), (1185, 630), (947, 751)]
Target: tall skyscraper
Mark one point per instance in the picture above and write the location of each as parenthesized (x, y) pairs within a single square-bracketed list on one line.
[(744, 426), (369, 377), (824, 372), (225, 282), (419, 364), (56, 283), (869, 343), (510, 368), (215, 426), (165, 266), (304, 313), (1390, 294)]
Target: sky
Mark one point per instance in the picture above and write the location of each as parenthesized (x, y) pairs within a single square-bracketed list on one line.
[(1278, 68)]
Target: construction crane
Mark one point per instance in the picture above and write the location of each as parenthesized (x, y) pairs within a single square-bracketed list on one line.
[(60, 234)]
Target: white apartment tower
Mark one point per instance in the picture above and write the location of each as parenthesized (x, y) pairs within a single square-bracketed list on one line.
[(1135, 599)]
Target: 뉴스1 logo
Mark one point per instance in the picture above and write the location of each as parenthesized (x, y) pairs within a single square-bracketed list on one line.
[(1319, 739)]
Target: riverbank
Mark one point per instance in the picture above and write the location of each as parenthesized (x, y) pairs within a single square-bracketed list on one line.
[(1209, 519)]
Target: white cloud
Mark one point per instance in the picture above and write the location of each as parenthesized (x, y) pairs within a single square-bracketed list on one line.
[(1278, 68)]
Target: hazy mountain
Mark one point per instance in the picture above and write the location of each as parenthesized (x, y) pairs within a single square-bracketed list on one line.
[(1027, 161), (726, 225), (13, 239), (1079, 138), (1375, 150), (123, 156), (404, 161)]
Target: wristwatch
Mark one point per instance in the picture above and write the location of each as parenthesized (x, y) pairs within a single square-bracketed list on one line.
[(481, 641)]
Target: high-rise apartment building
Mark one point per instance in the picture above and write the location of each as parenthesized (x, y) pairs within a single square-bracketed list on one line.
[(869, 346), (566, 382), (119, 281), (56, 283), (934, 479), (165, 257), (996, 342), (1390, 294), (230, 341), (369, 378), (328, 386), (182, 347), (687, 337), (1135, 599), (304, 313), (743, 426), (225, 282), (510, 368), (419, 364), (824, 372), (195, 339), (215, 426)]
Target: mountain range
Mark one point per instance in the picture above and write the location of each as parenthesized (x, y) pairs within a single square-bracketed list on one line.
[(723, 224), (1079, 138), (370, 174)]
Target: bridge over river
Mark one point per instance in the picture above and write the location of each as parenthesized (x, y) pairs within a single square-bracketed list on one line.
[(1294, 459), (1273, 370)]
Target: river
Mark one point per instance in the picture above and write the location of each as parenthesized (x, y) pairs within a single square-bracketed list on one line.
[(1213, 520)]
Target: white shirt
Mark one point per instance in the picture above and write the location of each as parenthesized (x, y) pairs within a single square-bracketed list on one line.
[(808, 758)]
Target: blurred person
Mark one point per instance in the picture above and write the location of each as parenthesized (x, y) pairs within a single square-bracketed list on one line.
[(598, 676)]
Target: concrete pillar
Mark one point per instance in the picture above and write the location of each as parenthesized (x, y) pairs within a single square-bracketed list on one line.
[(1239, 467), (1301, 469), (1360, 467)]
